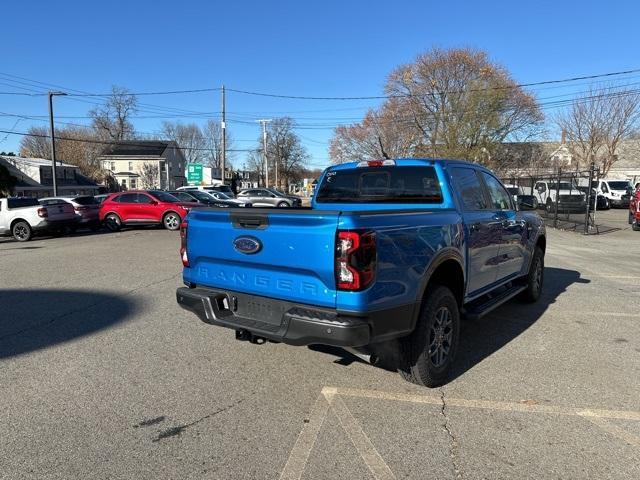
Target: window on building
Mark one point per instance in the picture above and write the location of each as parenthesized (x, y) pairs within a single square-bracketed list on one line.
[(133, 183), (131, 166), (113, 166), (124, 183)]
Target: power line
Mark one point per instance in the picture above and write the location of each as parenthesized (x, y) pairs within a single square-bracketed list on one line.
[(302, 97), (109, 142), (408, 95)]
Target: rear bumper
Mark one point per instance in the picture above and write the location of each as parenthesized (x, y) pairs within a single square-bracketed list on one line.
[(282, 321), (53, 224)]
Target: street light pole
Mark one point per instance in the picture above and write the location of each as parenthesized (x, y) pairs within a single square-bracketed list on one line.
[(223, 124), (264, 150), (53, 141)]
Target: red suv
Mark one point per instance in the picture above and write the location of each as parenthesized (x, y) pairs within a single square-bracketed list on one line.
[(634, 210), (148, 207)]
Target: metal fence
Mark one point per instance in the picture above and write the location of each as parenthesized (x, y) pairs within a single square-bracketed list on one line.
[(564, 199)]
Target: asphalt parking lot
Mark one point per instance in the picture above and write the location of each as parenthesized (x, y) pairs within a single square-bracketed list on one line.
[(102, 375)]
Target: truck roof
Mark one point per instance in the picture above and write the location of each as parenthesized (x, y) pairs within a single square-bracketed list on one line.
[(413, 162)]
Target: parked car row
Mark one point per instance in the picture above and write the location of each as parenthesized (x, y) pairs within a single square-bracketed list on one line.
[(23, 217)]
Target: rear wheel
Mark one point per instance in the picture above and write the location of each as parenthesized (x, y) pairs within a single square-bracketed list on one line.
[(113, 222), (635, 226), (171, 221), (430, 350), (21, 231), (630, 218), (535, 277)]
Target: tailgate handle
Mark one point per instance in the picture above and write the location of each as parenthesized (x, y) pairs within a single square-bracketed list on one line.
[(256, 221)]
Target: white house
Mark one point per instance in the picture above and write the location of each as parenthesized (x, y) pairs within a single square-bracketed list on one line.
[(145, 164)]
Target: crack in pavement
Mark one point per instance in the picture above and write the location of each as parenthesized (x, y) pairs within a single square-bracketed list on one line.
[(86, 307), (453, 446), (177, 430)]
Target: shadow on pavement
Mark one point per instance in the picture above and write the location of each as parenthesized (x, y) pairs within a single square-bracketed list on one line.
[(35, 319), (481, 338)]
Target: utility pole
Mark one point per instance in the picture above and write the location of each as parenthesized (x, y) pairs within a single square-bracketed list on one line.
[(264, 150), (223, 124), (53, 142)]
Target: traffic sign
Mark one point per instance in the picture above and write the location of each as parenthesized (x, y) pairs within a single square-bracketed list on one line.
[(194, 173)]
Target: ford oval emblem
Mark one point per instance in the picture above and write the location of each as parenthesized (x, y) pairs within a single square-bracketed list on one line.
[(247, 245)]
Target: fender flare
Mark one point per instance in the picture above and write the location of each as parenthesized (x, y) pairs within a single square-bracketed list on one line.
[(443, 255)]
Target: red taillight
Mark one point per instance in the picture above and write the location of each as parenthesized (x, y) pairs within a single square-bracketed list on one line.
[(43, 212), (183, 243), (355, 264)]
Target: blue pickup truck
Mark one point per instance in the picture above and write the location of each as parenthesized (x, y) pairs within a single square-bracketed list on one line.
[(391, 252)]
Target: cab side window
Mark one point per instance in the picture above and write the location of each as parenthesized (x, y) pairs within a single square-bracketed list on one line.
[(500, 198), (142, 198), (467, 183), (128, 198), (541, 187)]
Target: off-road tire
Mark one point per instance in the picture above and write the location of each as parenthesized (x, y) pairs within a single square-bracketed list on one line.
[(416, 362), (535, 277)]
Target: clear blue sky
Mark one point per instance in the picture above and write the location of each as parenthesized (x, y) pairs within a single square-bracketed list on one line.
[(323, 48)]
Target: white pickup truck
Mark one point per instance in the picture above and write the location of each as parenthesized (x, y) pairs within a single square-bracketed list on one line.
[(570, 198), (21, 217)]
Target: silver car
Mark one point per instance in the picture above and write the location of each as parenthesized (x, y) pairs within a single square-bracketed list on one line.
[(269, 197), (86, 208)]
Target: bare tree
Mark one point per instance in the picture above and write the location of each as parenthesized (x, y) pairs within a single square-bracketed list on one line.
[(462, 104), (212, 133), (149, 175), (598, 122), (111, 121), (285, 150), (381, 134), (74, 145), (36, 143), (189, 138)]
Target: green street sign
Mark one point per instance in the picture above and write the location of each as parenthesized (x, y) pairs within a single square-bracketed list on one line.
[(194, 173)]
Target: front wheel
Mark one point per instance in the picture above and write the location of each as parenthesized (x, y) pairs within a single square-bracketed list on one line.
[(535, 277), (21, 231), (171, 221), (430, 350), (283, 205)]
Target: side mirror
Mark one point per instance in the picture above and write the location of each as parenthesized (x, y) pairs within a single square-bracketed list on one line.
[(526, 202), (154, 202)]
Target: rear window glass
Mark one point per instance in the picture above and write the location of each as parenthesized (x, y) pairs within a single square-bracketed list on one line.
[(86, 200), (22, 202), (381, 185)]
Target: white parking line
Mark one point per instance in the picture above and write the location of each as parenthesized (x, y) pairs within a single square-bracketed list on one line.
[(299, 456), (294, 468), (492, 405), (615, 430), (367, 451), (329, 400)]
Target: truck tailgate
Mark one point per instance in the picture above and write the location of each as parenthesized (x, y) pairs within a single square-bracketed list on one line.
[(294, 257)]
